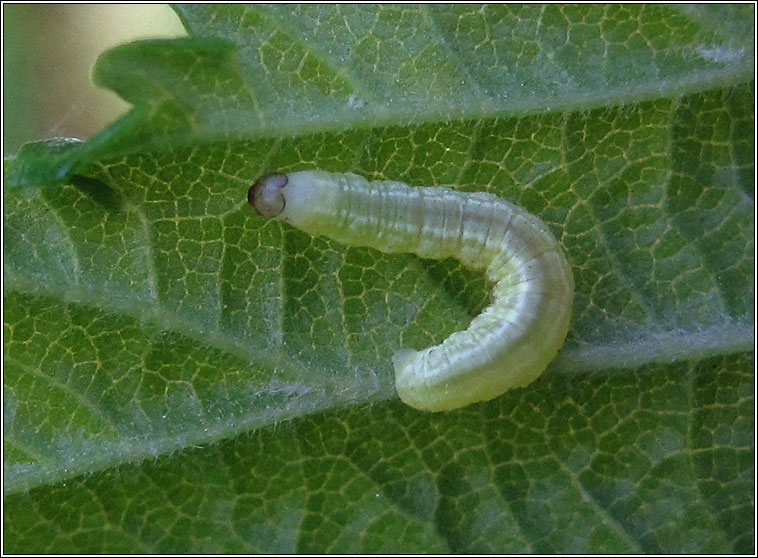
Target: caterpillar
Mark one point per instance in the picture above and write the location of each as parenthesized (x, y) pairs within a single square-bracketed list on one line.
[(512, 341)]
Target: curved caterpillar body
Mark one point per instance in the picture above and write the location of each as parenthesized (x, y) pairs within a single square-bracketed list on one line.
[(512, 341)]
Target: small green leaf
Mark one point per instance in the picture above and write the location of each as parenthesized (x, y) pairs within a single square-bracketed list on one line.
[(44, 163)]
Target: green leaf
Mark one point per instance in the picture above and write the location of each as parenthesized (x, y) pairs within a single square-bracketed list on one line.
[(184, 376)]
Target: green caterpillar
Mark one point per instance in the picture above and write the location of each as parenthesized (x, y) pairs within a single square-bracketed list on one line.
[(512, 341)]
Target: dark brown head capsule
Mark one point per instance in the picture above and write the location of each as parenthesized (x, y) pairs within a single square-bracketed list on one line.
[(266, 196)]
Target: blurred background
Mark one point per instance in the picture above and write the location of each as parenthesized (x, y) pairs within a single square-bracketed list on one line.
[(48, 54)]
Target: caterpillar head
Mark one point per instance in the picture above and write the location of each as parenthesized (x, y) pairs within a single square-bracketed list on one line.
[(265, 195)]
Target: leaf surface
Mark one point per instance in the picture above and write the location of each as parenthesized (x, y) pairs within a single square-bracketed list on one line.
[(148, 311)]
